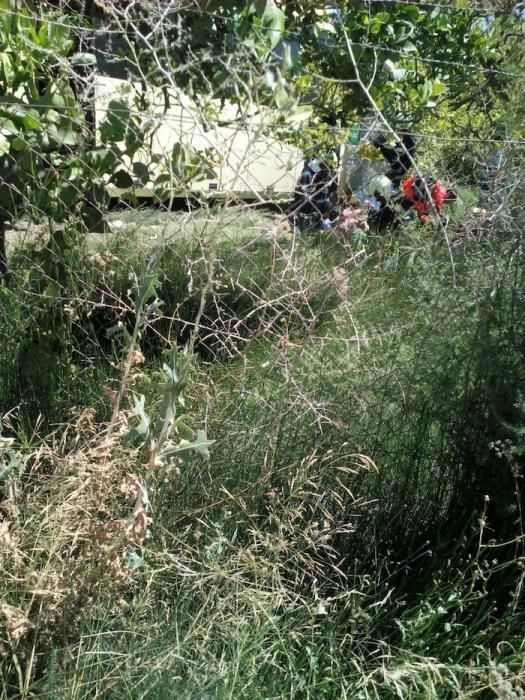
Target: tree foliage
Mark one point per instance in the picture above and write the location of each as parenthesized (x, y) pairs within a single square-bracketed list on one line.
[(413, 56), (310, 60), (46, 159)]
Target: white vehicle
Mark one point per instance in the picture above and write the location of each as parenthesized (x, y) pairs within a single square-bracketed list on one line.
[(247, 162)]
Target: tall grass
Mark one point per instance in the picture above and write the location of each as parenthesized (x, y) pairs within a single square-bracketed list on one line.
[(418, 375), (358, 531), (248, 602)]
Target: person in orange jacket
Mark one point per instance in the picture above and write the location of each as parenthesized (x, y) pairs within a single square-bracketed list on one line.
[(416, 190)]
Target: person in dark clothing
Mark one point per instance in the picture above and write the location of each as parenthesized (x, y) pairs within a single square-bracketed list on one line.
[(316, 197), (399, 156)]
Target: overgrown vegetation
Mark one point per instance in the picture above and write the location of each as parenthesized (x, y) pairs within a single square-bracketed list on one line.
[(242, 461)]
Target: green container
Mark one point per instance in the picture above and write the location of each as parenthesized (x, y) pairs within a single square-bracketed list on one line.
[(355, 135)]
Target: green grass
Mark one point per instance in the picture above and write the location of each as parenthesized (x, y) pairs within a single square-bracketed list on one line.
[(339, 543), (238, 626), (149, 226)]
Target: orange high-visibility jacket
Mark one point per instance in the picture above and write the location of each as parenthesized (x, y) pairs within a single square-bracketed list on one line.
[(437, 191)]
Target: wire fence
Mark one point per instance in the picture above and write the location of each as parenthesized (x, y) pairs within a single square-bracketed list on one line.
[(268, 232), (310, 262)]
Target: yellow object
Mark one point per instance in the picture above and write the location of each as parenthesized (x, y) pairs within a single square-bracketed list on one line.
[(479, 212), (368, 151)]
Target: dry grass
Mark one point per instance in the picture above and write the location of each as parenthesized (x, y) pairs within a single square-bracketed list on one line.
[(69, 533), (235, 600), (65, 527)]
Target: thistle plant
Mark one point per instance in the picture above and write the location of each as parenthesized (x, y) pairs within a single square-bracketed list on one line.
[(162, 429)]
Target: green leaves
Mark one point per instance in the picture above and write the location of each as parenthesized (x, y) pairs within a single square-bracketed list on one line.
[(437, 88), (199, 445), (115, 125), (7, 70), (60, 95), (282, 95), (145, 288), (19, 113), (447, 45), (4, 145), (102, 160), (379, 20), (300, 114), (269, 22), (10, 460), (122, 180), (169, 436), (31, 120), (142, 430), (48, 163), (186, 164), (141, 172), (121, 129), (84, 59)]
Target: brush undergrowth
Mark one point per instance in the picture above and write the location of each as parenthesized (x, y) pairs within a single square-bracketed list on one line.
[(62, 313), (358, 530)]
